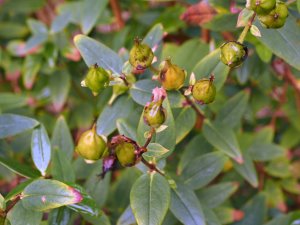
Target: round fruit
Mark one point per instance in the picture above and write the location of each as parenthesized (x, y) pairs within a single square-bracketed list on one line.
[(91, 146), (125, 152), (276, 18), (233, 53), (154, 114), (140, 56), (171, 76), (262, 7), (204, 91)]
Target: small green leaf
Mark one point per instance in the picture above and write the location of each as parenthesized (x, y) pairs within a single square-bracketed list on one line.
[(2, 203), (40, 149), (201, 170), (150, 199), (244, 17), (41, 195), (11, 124), (30, 69), (185, 122), (265, 152), (62, 138), (19, 168), (61, 168), (224, 139), (17, 190), (280, 220), (279, 168), (10, 101), (59, 216), (155, 150), (215, 195), (121, 108), (232, 111), (93, 52), (211, 64), (210, 216), (154, 36), (255, 31), (127, 217), (185, 206), (20, 215), (127, 129)]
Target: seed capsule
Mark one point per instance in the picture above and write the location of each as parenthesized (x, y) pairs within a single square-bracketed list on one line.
[(140, 56), (276, 18), (91, 146), (233, 53), (204, 91), (171, 76), (262, 7)]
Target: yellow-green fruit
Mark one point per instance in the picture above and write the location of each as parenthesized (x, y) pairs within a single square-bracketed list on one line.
[(91, 146), (233, 53), (96, 79), (154, 114), (140, 56), (171, 76), (204, 91), (125, 152), (276, 18), (262, 7)]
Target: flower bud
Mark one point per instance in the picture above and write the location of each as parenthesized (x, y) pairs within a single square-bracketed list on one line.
[(96, 79), (91, 146), (262, 7), (171, 76), (276, 18), (140, 56), (233, 53), (126, 150), (154, 114), (204, 91)]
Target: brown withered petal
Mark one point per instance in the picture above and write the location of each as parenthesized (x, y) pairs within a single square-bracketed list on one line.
[(199, 13)]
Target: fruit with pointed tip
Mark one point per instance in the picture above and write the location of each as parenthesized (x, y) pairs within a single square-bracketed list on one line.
[(233, 53)]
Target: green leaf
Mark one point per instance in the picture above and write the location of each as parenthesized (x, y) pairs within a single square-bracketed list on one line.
[(185, 122), (215, 195), (280, 220), (11, 124), (231, 113), (211, 64), (61, 168), (2, 203), (17, 190), (62, 138), (91, 10), (154, 36), (121, 108), (125, 128), (255, 211), (19, 168), (10, 101), (210, 216), (37, 27), (41, 195), (40, 149), (30, 69), (59, 216), (60, 22), (127, 217), (155, 150), (101, 219), (224, 139), (150, 199), (283, 42), (165, 138), (279, 168), (290, 185), (201, 170), (141, 91), (20, 215), (185, 206), (93, 52), (298, 5), (9, 30), (265, 152)]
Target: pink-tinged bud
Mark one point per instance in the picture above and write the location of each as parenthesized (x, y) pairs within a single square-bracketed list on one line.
[(238, 215), (158, 94)]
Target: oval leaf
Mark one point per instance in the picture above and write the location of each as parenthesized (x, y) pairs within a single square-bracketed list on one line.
[(150, 198), (20, 215)]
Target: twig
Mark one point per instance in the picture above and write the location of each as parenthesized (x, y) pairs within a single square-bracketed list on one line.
[(246, 29), (192, 104), (151, 166), (205, 35), (12, 204), (152, 131), (123, 77), (117, 13)]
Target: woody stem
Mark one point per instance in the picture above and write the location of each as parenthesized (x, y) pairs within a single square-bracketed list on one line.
[(246, 29), (152, 166)]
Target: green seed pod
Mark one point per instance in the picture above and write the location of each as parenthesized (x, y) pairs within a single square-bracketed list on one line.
[(91, 146), (154, 114), (171, 76), (276, 18), (96, 79), (262, 7), (233, 53), (126, 150), (204, 91), (140, 56)]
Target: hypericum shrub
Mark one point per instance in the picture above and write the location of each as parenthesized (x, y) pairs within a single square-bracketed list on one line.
[(171, 129)]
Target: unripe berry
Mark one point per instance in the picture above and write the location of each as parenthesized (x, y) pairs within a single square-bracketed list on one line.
[(171, 76), (140, 56), (91, 146), (233, 53), (262, 7), (276, 18), (204, 91), (154, 114), (96, 79)]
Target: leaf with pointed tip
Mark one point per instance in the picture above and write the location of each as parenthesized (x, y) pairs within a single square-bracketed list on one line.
[(185, 122), (20, 215), (61, 168), (150, 198), (94, 52), (127, 217), (155, 150), (154, 36), (59, 216), (12, 101)]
